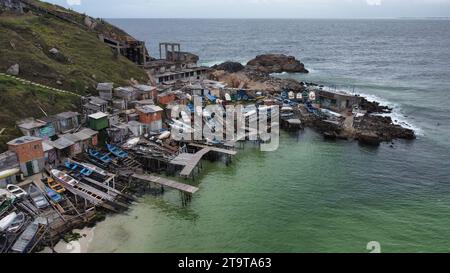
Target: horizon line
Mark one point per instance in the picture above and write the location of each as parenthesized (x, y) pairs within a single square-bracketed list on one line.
[(279, 18)]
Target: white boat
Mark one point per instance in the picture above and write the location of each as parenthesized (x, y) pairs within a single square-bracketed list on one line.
[(17, 224), (7, 221), (287, 109), (291, 95), (164, 135), (17, 191), (5, 194), (63, 177)]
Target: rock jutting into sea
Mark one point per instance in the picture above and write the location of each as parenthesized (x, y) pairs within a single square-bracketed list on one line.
[(230, 67), (370, 128), (277, 63)]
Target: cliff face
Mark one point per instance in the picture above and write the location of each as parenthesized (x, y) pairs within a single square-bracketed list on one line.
[(61, 48)]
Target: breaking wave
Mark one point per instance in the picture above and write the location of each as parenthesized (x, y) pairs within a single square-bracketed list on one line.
[(396, 115)]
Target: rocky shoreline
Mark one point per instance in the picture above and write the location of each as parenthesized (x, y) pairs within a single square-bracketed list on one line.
[(365, 125)]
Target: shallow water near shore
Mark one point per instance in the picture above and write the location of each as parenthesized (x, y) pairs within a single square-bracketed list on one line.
[(313, 195), (309, 196)]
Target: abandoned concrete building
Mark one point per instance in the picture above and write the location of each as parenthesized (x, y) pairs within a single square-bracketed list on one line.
[(134, 50), (173, 65), (337, 101)]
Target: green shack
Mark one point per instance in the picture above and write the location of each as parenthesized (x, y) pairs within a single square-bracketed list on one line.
[(98, 121)]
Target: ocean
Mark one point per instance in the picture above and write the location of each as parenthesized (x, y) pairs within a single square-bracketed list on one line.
[(312, 195)]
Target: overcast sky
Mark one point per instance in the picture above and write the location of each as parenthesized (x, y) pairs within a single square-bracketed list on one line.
[(259, 8)]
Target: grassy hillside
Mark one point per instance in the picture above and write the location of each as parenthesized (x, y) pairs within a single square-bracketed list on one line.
[(83, 60), (21, 101)]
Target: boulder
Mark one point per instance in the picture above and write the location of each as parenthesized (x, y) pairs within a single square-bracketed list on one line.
[(54, 51), (372, 129), (277, 63), (13, 70), (230, 67), (89, 22)]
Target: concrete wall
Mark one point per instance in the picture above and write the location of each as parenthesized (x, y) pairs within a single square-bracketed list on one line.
[(38, 166), (28, 151)]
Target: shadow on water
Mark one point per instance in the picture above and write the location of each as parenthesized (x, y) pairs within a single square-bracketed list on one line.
[(176, 210)]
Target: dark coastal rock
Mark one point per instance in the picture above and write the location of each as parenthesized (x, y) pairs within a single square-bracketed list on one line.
[(373, 107), (376, 129), (277, 63), (230, 67)]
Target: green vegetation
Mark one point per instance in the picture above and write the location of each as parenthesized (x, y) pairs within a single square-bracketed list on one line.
[(81, 61), (19, 101)]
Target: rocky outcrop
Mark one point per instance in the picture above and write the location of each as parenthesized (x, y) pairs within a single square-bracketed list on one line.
[(376, 129), (230, 67), (277, 63), (13, 70), (373, 107)]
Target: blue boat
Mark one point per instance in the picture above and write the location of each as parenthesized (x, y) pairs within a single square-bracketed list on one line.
[(211, 98), (56, 197), (99, 156), (78, 168), (116, 151)]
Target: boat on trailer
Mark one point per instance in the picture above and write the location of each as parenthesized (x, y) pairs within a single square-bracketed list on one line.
[(117, 151)]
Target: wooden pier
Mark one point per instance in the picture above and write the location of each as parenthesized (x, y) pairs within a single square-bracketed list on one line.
[(214, 149), (191, 161), (166, 182)]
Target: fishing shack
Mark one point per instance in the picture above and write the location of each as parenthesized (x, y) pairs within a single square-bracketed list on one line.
[(151, 115), (30, 154), (98, 121)]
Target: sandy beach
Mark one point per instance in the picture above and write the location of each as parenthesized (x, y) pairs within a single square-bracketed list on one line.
[(79, 246)]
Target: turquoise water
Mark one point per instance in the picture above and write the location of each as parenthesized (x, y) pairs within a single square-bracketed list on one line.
[(309, 196), (313, 195)]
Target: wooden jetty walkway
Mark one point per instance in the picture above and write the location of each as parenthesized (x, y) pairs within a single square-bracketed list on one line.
[(191, 161), (214, 149), (166, 182)]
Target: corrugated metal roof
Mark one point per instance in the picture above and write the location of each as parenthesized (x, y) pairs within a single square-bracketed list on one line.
[(149, 109), (62, 143), (32, 124), (24, 139), (89, 132), (98, 115)]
